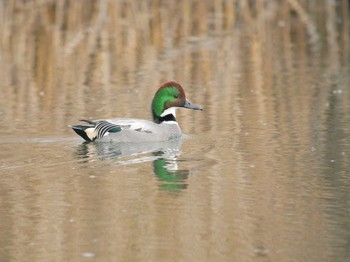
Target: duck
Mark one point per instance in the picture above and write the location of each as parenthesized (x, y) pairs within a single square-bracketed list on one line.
[(169, 97)]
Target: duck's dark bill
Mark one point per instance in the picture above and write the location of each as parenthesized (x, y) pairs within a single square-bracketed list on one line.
[(191, 106)]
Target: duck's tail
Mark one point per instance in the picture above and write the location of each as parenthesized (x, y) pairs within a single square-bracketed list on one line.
[(95, 129), (83, 131)]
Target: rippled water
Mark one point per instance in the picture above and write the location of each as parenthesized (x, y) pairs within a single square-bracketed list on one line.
[(264, 176)]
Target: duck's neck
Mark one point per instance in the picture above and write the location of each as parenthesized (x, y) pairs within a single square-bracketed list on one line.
[(167, 115), (161, 119)]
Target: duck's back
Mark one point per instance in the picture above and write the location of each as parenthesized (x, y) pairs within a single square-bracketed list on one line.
[(140, 130)]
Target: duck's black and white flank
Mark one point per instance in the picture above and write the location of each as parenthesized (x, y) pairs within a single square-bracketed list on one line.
[(164, 126)]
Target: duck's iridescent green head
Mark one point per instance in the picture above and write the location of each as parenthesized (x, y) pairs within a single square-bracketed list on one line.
[(169, 97)]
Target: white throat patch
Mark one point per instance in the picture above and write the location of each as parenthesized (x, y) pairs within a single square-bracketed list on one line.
[(169, 111)]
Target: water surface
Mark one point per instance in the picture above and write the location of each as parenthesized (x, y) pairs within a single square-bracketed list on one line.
[(265, 175)]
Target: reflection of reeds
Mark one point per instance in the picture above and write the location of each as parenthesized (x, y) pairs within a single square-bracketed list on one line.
[(100, 44), (261, 67)]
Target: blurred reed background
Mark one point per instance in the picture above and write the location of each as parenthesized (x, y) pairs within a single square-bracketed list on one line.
[(54, 55), (273, 77)]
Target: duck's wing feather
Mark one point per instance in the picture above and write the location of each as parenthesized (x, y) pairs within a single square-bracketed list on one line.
[(95, 129), (140, 130), (139, 125)]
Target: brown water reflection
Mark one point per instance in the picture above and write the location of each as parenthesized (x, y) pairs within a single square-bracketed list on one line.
[(265, 176)]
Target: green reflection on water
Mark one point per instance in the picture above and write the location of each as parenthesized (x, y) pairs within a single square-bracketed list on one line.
[(174, 180), (163, 155)]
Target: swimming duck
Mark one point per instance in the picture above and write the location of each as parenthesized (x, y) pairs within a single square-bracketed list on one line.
[(164, 126)]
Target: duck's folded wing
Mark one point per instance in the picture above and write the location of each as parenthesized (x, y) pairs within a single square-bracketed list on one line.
[(104, 127), (139, 125)]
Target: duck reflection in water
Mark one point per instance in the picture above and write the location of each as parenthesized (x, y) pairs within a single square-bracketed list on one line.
[(163, 155)]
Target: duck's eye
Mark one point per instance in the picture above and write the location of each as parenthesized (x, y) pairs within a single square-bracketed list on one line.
[(176, 96)]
